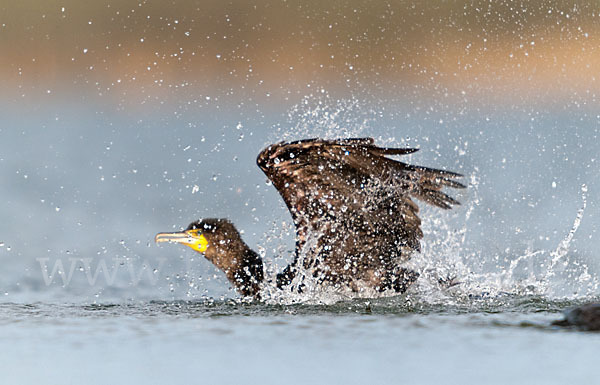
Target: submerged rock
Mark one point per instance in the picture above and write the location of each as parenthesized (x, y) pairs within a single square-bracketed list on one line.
[(585, 317)]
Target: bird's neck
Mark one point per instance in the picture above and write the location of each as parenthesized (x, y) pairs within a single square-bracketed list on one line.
[(247, 274)]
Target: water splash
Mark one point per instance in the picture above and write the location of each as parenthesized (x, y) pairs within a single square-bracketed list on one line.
[(552, 274), (563, 248), (305, 288), (319, 115)]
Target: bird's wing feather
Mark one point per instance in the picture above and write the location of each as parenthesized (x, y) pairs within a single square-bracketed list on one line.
[(353, 196)]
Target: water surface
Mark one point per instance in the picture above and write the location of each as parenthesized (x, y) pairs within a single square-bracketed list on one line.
[(386, 341)]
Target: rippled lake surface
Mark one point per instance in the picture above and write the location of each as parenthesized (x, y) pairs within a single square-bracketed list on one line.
[(385, 341)]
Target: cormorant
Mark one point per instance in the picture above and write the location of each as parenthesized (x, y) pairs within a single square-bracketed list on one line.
[(352, 207)]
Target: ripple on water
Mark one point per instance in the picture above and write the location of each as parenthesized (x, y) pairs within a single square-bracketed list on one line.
[(366, 309)]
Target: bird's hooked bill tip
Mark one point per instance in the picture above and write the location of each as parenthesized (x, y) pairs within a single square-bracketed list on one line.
[(178, 237)]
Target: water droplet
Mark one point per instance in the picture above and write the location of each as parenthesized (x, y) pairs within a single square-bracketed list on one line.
[(1, 244), (57, 209)]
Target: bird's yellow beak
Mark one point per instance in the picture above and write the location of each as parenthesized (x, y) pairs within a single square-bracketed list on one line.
[(191, 238)]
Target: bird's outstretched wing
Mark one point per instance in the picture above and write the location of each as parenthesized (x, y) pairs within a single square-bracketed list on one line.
[(353, 200)]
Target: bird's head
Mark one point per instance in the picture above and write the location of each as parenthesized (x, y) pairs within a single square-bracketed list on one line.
[(217, 239)]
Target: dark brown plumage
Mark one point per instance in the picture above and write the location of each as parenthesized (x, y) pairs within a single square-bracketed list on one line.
[(352, 207)]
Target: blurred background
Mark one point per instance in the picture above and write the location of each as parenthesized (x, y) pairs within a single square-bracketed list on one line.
[(123, 119)]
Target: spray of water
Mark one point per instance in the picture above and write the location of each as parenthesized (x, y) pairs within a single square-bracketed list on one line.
[(321, 116), (551, 274)]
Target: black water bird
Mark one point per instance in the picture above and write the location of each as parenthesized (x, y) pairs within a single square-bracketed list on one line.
[(353, 209)]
